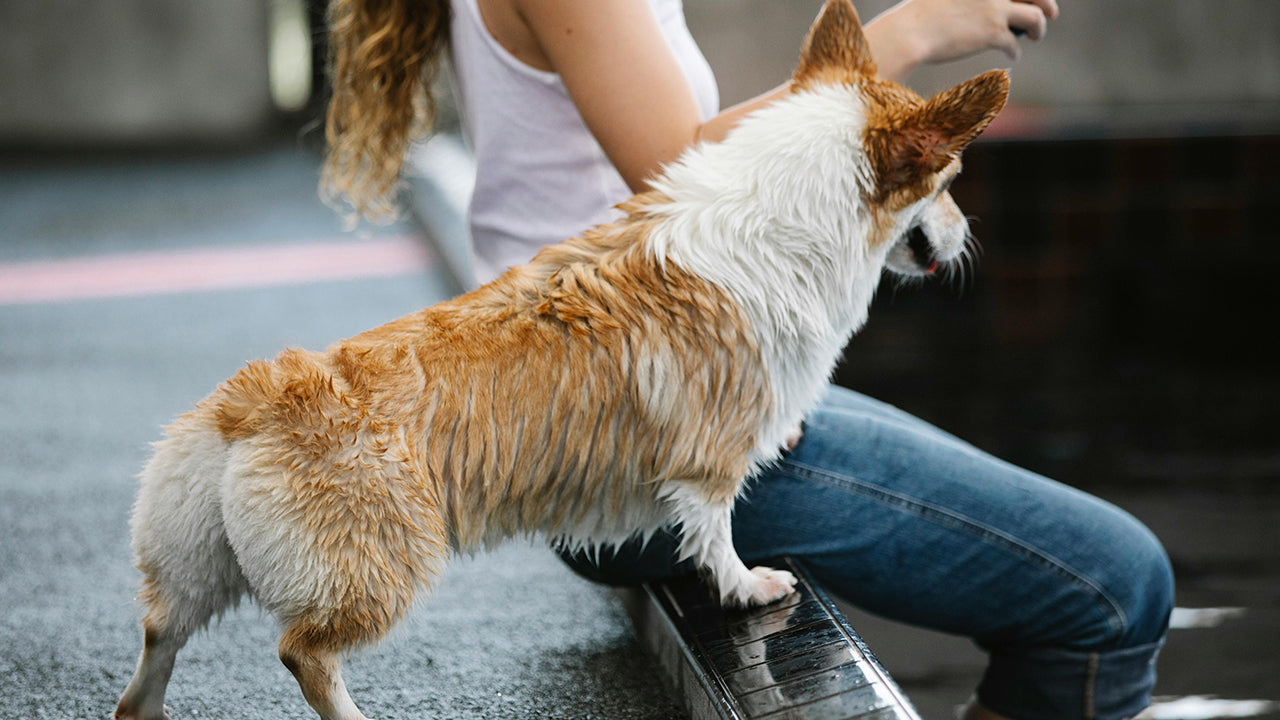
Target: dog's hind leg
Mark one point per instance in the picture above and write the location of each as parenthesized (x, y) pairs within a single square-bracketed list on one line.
[(358, 582), (314, 655), (336, 550), (144, 697), (707, 537), (189, 572), (359, 593)]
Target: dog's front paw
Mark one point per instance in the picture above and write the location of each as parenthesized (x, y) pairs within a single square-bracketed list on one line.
[(765, 586)]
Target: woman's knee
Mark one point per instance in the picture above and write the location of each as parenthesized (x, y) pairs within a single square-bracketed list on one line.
[(1109, 587), (1100, 662), (1150, 596), (1138, 586)]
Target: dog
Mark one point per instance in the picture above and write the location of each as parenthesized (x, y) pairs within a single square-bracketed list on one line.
[(624, 380)]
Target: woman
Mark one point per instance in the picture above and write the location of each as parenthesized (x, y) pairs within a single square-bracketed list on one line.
[(569, 107)]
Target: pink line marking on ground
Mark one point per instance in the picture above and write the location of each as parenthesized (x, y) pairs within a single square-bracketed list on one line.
[(210, 268)]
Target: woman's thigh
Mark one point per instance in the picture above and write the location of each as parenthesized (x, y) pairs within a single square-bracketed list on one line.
[(907, 521)]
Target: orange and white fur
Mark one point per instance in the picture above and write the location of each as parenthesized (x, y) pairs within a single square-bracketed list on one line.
[(633, 377)]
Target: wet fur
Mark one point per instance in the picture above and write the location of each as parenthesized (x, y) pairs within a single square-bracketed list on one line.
[(630, 378)]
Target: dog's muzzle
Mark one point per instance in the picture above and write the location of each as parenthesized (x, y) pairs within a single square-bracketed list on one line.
[(921, 250)]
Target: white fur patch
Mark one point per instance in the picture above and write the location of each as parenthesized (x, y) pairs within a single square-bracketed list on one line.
[(775, 215), (707, 538)]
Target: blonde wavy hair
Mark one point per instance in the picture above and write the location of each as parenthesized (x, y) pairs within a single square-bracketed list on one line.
[(384, 56)]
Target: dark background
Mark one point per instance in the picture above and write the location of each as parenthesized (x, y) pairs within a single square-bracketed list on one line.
[(1120, 326)]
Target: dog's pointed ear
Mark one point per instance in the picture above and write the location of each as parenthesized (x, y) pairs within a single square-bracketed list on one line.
[(835, 47), (909, 149), (963, 112)]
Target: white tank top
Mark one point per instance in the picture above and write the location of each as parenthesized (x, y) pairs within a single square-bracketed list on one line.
[(541, 177)]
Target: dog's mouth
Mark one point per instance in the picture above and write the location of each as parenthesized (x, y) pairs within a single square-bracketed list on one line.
[(921, 251)]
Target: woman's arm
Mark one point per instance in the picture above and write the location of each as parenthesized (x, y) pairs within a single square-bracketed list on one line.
[(635, 99), (625, 81)]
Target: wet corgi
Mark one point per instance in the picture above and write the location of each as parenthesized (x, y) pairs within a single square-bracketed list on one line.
[(627, 379)]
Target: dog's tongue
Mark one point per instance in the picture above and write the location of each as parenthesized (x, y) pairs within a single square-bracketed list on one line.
[(933, 267)]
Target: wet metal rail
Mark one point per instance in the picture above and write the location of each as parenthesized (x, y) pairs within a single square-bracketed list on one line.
[(796, 659)]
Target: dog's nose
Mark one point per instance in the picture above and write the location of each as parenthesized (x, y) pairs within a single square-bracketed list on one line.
[(921, 250)]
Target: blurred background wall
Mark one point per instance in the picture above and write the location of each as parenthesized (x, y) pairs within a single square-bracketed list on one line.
[(123, 72), (134, 70)]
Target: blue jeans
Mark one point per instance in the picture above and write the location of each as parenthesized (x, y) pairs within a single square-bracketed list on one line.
[(1068, 594)]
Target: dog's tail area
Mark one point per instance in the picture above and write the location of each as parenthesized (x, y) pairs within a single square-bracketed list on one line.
[(240, 403), (297, 387)]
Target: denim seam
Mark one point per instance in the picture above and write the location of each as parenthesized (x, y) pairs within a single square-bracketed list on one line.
[(1090, 687), (1116, 617)]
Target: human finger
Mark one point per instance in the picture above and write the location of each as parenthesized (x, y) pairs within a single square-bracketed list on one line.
[(1007, 43), (1048, 7), (1028, 18)]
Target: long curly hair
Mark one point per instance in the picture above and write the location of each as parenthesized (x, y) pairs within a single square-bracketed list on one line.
[(383, 58)]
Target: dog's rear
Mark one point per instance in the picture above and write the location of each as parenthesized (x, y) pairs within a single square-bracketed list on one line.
[(190, 573), (280, 484), (189, 570)]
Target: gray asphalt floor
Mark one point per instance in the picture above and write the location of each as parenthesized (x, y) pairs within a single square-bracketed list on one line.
[(86, 384)]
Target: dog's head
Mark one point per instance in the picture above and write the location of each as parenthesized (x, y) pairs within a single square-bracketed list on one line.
[(911, 145), (799, 210)]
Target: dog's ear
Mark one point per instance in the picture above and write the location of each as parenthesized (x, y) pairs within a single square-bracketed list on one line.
[(910, 148), (963, 112), (836, 48)]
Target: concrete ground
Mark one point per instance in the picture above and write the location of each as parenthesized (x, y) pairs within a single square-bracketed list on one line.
[(130, 287)]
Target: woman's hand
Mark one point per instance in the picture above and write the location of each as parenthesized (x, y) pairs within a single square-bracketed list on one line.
[(935, 31)]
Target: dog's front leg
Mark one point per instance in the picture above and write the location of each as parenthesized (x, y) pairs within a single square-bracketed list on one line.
[(707, 537)]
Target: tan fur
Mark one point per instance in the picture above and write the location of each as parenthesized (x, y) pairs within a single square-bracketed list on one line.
[(910, 140)]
